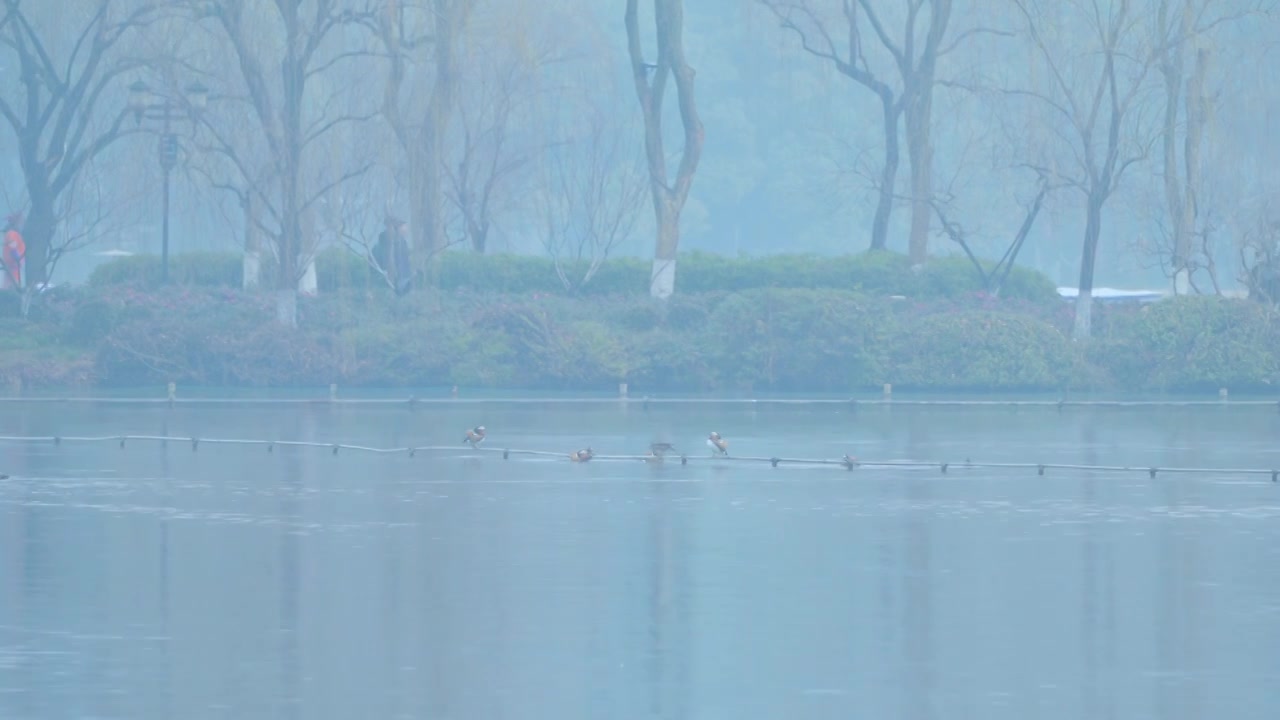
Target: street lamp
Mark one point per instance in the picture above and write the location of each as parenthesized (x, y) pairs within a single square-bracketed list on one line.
[(164, 109)]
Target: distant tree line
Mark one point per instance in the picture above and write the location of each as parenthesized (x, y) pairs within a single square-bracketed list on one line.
[(426, 124)]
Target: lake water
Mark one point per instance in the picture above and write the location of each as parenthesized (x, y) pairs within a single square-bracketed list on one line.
[(158, 582)]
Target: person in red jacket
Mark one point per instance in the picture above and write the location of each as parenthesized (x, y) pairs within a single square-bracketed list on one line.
[(14, 251)]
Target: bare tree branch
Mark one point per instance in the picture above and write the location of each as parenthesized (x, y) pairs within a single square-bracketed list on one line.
[(53, 112)]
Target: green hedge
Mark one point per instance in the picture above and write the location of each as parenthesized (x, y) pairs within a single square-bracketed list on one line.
[(200, 269), (880, 273), (756, 340), (1192, 343)]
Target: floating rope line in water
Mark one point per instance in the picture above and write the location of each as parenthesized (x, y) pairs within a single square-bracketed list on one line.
[(847, 463), (647, 402)]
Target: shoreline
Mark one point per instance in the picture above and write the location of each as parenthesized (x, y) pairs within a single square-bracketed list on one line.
[(762, 343)]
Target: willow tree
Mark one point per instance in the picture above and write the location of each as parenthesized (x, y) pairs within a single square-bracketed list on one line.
[(1184, 33), (282, 52), (669, 195), (1100, 62), (421, 41), (1097, 62)]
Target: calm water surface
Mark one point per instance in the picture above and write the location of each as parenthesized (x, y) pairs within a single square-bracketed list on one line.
[(150, 582)]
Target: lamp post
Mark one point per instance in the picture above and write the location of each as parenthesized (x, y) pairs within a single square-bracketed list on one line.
[(165, 110)]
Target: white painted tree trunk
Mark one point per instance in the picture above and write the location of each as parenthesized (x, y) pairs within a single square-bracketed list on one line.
[(252, 269), (1084, 315), (287, 307), (307, 284), (252, 264), (1182, 282), (662, 282)]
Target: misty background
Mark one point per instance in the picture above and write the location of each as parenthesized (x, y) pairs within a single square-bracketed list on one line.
[(792, 148)]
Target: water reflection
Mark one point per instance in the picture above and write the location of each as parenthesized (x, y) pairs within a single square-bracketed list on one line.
[(164, 681), (918, 585), (671, 634), (298, 468), (232, 582)]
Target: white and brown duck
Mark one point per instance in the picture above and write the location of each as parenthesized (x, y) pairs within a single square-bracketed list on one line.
[(474, 436), (718, 444)]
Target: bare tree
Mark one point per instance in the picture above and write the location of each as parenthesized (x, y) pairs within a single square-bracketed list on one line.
[(300, 39), (67, 63), (407, 28), (359, 221), (993, 279), (500, 92), (915, 60), (230, 160), (1104, 108), (1094, 97), (651, 85), (96, 206), (591, 193), (1259, 249), (1180, 191)]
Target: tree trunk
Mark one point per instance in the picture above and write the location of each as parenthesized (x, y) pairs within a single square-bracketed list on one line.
[(920, 150), (307, 246), (1088, 260), (307, 283), (918, 100), (287, 307), (287, 253), (287, 259), (294, 81), (37, 232), (426, 202), (252, 267), (668, 199), (1196, 111), (1171, 68), (423, 150), (662, 281), (479, 234), (888, 175), (429, 233)]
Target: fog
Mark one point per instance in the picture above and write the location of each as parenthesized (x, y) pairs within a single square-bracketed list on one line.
[(793, 147)]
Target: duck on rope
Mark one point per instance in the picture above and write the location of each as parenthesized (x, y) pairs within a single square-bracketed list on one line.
[(474, 436), (718, 444)]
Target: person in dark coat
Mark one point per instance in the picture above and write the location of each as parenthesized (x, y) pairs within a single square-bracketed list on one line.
[(391, 253)]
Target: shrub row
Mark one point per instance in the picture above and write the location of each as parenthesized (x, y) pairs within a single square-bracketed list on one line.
[(760, 340), (873, 272)]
